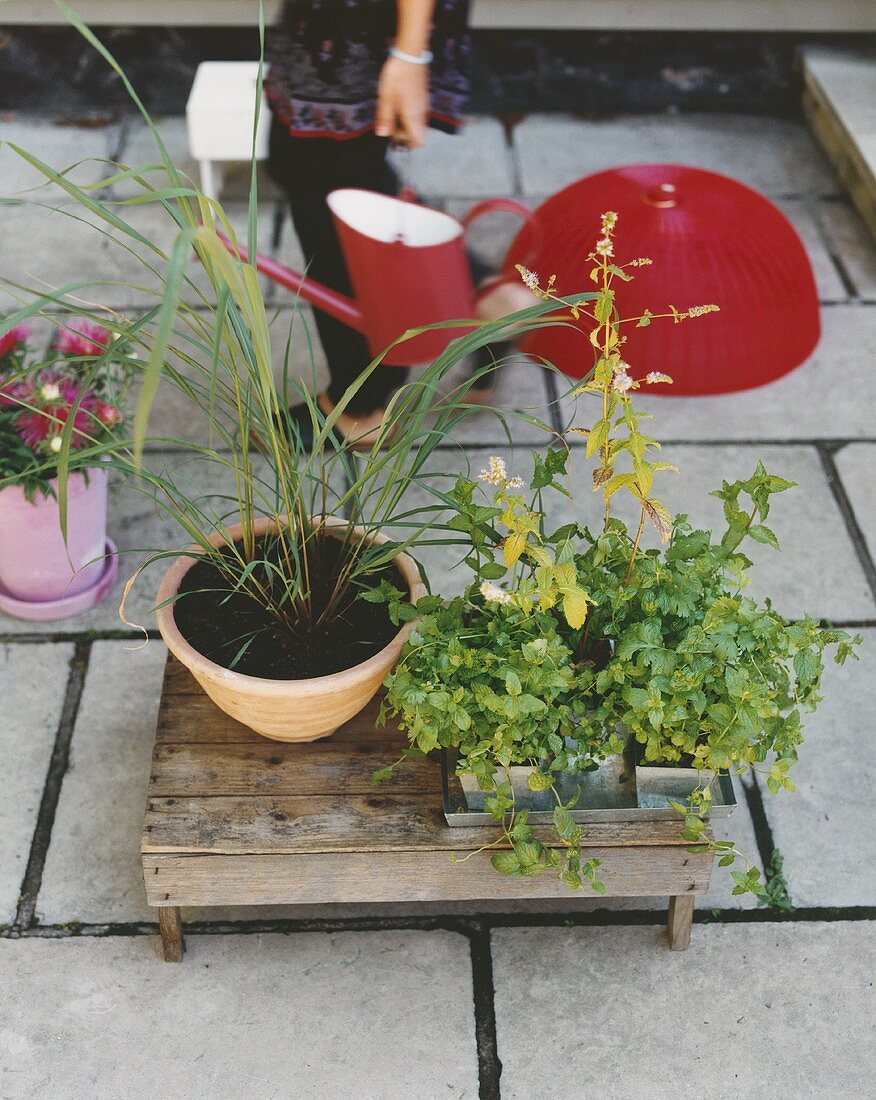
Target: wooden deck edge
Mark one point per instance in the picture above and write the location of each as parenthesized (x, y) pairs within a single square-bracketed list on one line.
[(841, 148), (339, 878)]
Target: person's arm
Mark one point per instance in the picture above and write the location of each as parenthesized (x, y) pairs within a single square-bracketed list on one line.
[(403, 89)]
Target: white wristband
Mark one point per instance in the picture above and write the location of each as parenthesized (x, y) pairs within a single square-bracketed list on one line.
[(425, 58)]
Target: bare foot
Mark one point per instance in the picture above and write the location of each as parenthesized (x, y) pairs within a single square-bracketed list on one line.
[(497, 299), (361, 430)]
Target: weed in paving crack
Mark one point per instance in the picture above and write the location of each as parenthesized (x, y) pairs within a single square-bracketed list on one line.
[(776, 894)]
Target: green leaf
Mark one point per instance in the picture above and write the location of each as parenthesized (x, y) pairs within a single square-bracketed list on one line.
[(603, 307), (528, 853), (539, 780), (506, 863), (806, 666), (763, 534), (598, 435)]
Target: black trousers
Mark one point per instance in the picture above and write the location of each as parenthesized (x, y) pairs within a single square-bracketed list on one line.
[(308, 169)]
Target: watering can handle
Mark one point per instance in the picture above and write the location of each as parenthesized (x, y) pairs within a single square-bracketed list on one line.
[(507, 206), (493, 206)]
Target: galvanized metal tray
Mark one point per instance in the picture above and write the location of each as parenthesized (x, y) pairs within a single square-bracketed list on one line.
[(607, 794)]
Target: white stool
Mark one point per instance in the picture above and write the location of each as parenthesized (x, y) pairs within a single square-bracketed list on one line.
[(219, 118)]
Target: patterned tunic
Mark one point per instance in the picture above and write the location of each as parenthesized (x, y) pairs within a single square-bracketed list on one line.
[(325, 58)]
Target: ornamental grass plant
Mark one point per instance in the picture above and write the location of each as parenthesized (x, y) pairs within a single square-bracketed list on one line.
[(209, 339)]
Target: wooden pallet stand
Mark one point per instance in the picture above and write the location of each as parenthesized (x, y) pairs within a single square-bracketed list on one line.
[(235, 819)]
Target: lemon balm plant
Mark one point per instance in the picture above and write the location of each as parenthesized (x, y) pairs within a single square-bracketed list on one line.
[(492, 674), (568, 643)]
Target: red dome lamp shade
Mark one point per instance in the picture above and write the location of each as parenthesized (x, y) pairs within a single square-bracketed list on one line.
[(711, 239)]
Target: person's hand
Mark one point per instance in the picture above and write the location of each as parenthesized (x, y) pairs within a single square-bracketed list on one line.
[(402, 102)]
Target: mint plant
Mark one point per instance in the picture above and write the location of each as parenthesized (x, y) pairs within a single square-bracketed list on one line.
[(492, 674), (566, 644)]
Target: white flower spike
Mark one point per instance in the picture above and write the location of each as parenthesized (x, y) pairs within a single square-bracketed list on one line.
[(496, 472), (492, 593)]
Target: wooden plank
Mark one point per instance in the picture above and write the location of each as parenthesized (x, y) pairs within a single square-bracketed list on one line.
[(405, 876), (270, 767), (172, 939), (188, 716), (189, 719), (680, 921), (330, 823)]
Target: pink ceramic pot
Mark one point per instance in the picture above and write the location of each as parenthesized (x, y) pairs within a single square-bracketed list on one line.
[(35, 562)]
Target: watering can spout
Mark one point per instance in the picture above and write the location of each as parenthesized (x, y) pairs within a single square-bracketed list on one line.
[(324, 298)]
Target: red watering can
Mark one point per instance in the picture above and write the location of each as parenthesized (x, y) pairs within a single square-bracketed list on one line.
[(408, 267)]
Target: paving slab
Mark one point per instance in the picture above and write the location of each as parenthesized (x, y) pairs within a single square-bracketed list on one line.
[(139, 149), (852, 243), (59, 147), (826, 830), (817, 571), (857, 467), (92, 873), (772, 155), (828, 397), (803, 214), (736, 1014), (382, 1016), (475, 162), (33, 682), (522, 392), (175, 418), (76, 247)]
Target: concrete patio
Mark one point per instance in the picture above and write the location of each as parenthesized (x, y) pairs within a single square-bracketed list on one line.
[(575, 999)]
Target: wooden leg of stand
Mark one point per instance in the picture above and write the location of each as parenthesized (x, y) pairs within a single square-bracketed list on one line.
[(681, 910), (172, 940)]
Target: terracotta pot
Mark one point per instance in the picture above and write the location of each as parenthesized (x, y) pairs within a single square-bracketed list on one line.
[(35, 562), (285, 710)]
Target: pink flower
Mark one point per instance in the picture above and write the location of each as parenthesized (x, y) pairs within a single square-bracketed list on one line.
[(108, 415), (81, 337), (13, 339), (10, 391), (50, 398)]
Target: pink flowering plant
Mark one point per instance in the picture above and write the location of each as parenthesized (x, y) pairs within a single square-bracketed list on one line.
[(74, 395)]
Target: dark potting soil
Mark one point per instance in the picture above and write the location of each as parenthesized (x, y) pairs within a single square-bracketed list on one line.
[(218, 621)]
